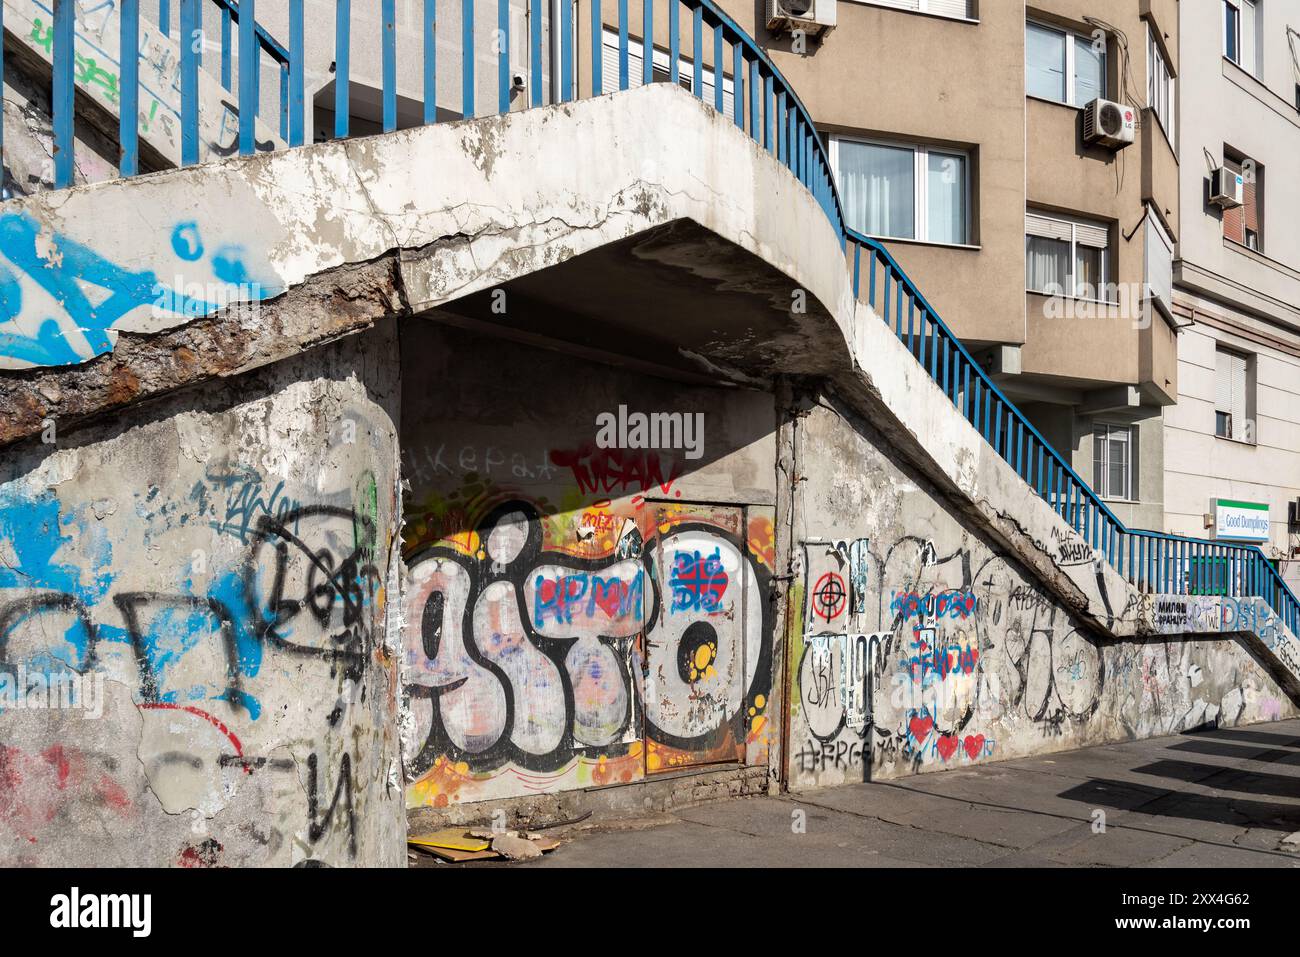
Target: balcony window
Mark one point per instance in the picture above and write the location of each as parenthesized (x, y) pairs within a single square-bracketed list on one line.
[(1160, 86), (1232, 388), (956, 9), (1066, 257), (1112, 461), (1244, 224), (903, 191), (661, 67), (1063, 67)]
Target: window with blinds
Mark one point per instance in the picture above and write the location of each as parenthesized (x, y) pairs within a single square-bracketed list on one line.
[(661, 73), (1160, 85), (1113, 461), (1231, 395), (1067, 257), (1242, 223), (957, 9)]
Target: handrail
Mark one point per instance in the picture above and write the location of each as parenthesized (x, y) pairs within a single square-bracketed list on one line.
[(774, 117), (1154, 562)]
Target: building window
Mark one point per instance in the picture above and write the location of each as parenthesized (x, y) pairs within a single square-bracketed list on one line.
[(1244, 224), (1232, 388), (901, 191), (1241, 34), (1063, 67), (957, 9), (1160, 85), (1112, 461), (661, 72), (1067, 257)]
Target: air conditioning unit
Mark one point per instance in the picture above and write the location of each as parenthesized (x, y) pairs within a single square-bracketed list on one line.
[(1227, 189), (1293, 515), (814, 17), (1109, 124)]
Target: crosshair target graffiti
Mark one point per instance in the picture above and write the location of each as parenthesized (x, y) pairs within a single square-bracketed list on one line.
[(829, 596)]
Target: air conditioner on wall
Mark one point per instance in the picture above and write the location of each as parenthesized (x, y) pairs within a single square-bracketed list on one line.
[(1227, 189), (1109, 124), (814, 17)]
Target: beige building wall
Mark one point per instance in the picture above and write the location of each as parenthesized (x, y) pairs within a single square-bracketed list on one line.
[(1235, 298), (915, 77)]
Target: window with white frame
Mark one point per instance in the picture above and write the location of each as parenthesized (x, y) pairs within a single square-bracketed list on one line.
[(609, 57), (958, 9), (1113, 461), (1067, 257), (1160, 85), (1062, 66), (903, 191), (1232, 388), (1241, 34)]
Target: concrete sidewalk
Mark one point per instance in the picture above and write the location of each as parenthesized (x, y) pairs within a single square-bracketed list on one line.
[(1217, 798)]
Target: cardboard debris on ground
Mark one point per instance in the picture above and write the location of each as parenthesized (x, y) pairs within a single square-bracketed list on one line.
[(458, 845)]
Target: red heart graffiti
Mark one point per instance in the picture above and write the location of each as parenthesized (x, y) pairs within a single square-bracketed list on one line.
[(610, 597), (921, 727), (974, 745), (946, 745)]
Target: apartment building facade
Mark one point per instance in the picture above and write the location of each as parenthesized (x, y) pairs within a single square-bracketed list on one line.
[(1232, 441), (1047, 251)]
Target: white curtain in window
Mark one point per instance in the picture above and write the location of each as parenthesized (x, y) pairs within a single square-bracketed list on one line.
[(1089, 71), (1044, 62), (878, 188), (946, 198), (1047, 265)]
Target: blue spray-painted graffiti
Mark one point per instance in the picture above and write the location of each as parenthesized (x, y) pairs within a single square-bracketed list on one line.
[(293, 588), (30, 335)]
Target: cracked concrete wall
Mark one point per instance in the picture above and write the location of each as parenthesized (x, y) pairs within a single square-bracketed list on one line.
[(510, 196), (208, 580), (578, 615), (921, 643)]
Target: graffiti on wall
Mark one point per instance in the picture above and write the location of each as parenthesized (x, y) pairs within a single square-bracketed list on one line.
[(62, 302), (296, 592), (650, 654)]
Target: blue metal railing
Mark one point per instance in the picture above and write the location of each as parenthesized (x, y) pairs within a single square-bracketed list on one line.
[(776, 119), (1154, 562), (771, 113)]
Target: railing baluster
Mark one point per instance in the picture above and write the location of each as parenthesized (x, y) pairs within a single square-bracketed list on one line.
[(675, 43), (597, 49), (535, 47), (190, 22), (342, 66), (738, 85), (566, 49), (389, 55), (648, 42), (753, 99), (129, 109), (249, 50), (503, 56), (467, 58), (297, 96), (767, 111)]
